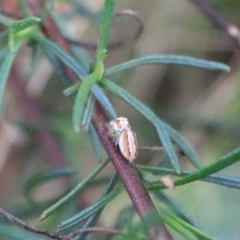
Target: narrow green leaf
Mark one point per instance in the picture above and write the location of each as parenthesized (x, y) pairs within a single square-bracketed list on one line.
[(82, 58), (79, 103), (34, 53), (87, 115), (169, 59), (4, 72), (93, 219), (24, 24), (83, 91), (73, 192), (24, 7), (159, 125), (62, 55), (228, 181), (105, 24), (5, 21), (222, 163), (173, 205), (70, 90), (65, 81), (73, 221), (43, 177), (3, 54), (104, 101), (170, 221), (182, 227), (52, 48), (4, 35), (14, 43), (184, 145), (95, 141)]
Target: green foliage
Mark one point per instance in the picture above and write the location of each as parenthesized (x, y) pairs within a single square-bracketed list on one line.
[(21, 25), (46, 176), (72, 64), (5, 20), (5, 71), (73, 192), (21, 30), (189, 232), (84, 88), (76, 219), (162, 133), (168, 59), (10, 232)]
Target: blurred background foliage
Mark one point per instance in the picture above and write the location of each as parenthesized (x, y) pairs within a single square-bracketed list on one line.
[(202, 105)]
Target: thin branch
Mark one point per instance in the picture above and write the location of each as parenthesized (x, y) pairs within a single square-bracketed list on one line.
[(33, 229), (220, 21)]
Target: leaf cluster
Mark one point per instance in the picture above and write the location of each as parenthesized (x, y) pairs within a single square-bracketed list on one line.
[(95, 86)]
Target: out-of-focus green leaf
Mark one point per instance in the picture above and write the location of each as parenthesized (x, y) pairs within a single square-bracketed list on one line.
[(64, 79), (43, 177), (62, 55), (5, 21), (184, 145), (4, 35), (171, 204), (73, 192), (125, 217), (185, 229), (24, 7), (95, 141), (169, 59), (3, 54), (8, 232), (87, 115), (73, 221), (136, 231), (5, 70), (93, 219)]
